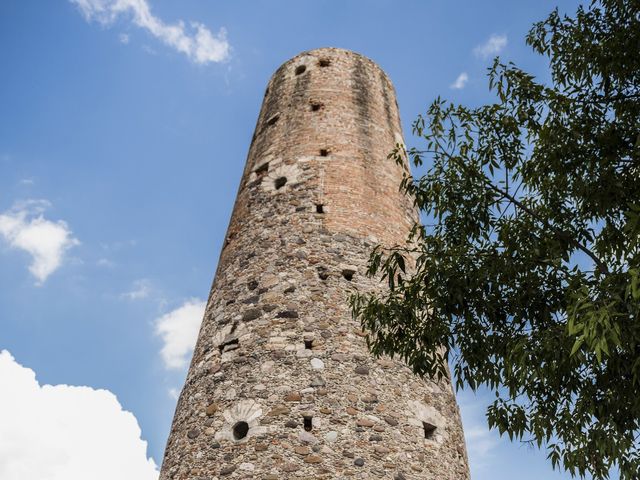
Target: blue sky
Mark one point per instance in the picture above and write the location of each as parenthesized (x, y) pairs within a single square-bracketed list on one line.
[(124, 128)]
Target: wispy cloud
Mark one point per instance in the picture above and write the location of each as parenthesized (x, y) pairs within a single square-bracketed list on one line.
[(141, 289), (460, 82), (24, 227), (124, 38), (482, 443), (493, 46), (179, 331), (105, 263), (63, 431), (195, 41)]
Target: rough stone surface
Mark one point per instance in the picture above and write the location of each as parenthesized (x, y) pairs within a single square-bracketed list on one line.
[(281, 377)]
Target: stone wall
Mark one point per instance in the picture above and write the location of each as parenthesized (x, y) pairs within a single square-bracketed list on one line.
[(281, 384)]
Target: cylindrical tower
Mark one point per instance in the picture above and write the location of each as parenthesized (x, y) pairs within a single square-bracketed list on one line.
[(281, 384)]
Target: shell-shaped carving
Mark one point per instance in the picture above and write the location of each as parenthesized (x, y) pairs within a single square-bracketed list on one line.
[(243, 411)]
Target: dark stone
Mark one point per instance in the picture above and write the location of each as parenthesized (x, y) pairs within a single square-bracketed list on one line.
[(252, 300), (362, 370), (228, 470), (375, 438), (251, 314), (287, 314), (252, 285), (322, 273), (268, 307), (348, 454), (399, 476), (228, 457), (193, 433), (291, 424), (358, 462), (391, 421), (291, 289), (215, 445), (316, 448)]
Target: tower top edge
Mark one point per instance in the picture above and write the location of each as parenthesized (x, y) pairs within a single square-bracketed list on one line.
[(319, 53)]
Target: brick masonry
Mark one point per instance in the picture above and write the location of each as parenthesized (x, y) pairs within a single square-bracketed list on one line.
[(281, 384)]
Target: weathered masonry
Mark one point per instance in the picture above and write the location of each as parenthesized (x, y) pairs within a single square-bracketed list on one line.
[(281, 384)]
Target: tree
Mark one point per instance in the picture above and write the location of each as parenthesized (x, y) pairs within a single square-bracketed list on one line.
[(525, 275)]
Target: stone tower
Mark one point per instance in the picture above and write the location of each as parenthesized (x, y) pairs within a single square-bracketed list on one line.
[(281, 384)]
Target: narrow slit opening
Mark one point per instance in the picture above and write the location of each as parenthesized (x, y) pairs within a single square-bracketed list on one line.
[(273, 119), (429, 430), (300, 69), (240, 430), (319, 208), (308, 422), (233, 341), (280, 182)]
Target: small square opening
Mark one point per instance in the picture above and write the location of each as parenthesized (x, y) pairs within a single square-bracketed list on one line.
[(262, 169), (429, 430), (324, 152), (319, 208), (348, 274)]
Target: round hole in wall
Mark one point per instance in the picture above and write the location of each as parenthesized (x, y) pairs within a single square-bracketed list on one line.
[(300, 69), (240, 430), (280, 182)]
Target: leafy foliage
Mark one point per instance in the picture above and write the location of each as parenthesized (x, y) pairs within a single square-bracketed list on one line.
[(527, 278)]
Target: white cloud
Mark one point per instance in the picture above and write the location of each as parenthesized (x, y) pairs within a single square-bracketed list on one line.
[(174, 393), (24, 227), (63, 432), (179, 331), (196, 41), (141, 289), (493, 46), (460, 82), (124, 38)]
